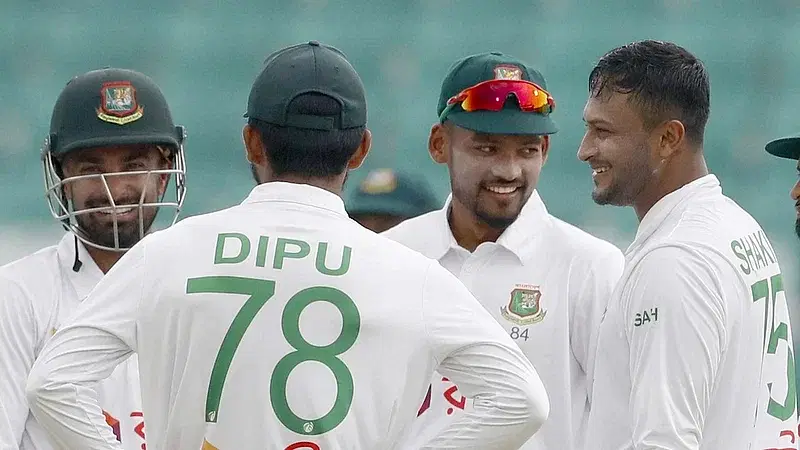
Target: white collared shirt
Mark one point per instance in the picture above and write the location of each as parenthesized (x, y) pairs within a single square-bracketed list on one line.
[(547, 283), (281, 321), (38, 293), (695, 351)]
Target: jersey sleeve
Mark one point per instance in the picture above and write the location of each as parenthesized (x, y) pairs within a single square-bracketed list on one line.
[(675, 325), (597, 282), (7, 441), (99, 335), (473, 351), (17, 353)]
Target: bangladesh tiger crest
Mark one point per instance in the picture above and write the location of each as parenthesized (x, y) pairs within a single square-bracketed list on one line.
[(524, 306), (118, 103)]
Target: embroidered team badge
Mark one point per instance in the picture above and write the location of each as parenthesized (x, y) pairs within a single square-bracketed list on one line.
[(507, 72), (118, 103), (380, 181), (524, 306)]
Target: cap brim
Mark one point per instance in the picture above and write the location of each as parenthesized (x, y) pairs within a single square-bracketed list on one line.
[(130, 139), (788, 147), (505, 121)]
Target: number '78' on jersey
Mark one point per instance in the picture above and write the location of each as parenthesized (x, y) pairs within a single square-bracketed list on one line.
[(259, 291)]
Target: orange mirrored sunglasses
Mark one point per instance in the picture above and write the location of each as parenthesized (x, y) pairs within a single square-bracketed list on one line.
[(491, 95)]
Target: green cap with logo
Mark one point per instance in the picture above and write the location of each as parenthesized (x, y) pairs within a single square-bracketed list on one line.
[(391, 193), (108, 107), (302, 69), (475, 69), (787, 147)]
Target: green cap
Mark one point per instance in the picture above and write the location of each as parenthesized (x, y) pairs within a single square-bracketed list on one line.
[(475, 69), (391, 193), (787, 147), (308, 68), (109, 107)]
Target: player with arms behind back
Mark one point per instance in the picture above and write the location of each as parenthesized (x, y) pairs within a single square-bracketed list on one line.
[(695, 350), (281, 323), (107, 162)]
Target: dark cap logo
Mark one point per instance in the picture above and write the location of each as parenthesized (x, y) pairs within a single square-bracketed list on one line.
[(118, 103)]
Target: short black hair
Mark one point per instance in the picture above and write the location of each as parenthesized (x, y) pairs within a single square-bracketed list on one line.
[(665, 80), (309, 152)]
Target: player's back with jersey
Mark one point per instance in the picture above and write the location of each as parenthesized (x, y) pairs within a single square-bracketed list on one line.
[(753, 397), (282, 323), (761, 347)]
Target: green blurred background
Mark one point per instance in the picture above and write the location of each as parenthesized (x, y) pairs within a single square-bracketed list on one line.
[(206, 54)]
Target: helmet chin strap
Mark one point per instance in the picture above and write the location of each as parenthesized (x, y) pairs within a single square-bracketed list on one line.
[(76, 266)]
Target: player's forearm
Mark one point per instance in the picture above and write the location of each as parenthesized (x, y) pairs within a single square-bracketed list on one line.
[(510, 403), (70, 414), (13, 410), (9, 434), (503, 420), (17, 342), (64, 403), (60, 387)]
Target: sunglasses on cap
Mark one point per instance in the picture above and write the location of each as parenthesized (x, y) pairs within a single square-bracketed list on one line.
[(491, 96)]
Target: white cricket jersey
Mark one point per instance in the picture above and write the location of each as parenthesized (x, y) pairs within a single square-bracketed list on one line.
[(695, 350), (282, 324), (547, 284), (38, 293)]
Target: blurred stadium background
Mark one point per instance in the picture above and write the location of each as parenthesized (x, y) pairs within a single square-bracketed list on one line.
[(205, 55)]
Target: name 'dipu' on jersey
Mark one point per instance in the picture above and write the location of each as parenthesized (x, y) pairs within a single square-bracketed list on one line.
[(234, 248)]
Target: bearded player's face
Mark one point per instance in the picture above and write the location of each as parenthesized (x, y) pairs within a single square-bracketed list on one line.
[(100, 187), (492, 175), (616, 145)]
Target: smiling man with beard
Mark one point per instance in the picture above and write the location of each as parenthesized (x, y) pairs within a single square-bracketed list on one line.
[(545, 281), (789, 148), (109, 156), (695, 349)]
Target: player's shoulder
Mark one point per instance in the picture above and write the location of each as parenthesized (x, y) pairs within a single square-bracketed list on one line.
[(702, 235), (582, 245), (385, 244), (713, 219), (30, 269), (209, 220), (31, 283), (187, 230), (417, 231), (674, 263)]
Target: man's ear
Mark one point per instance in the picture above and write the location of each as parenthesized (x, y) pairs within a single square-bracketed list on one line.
[(439, 143), (545, 148), (253, 146), (672, 137), (361, 152)]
